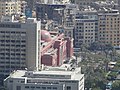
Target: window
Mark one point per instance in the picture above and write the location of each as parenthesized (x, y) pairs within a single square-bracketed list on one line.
[(22, 81), (48, 87), (26, 86), (11, 81), (18, 87), (55, 88), (32, 87), (43, 87), (37, 87), (68, 87)]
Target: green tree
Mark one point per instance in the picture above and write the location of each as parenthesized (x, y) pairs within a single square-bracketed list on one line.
[(116, 85), (112, 75)]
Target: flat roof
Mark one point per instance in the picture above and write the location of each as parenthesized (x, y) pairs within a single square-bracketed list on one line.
[(71, 75), (54, 72)]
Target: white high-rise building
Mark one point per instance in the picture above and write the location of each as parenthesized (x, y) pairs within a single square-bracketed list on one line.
[(49, 79), (19, 44)]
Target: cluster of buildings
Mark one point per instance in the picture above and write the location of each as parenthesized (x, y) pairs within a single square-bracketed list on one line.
[(84, 20), (24, 45), (38, 36)]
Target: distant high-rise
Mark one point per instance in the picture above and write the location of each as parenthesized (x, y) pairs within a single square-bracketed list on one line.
[(109, 27), (50, 11), (86, 27), (9, 7)]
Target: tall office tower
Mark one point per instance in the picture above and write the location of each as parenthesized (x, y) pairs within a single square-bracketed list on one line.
[(85, 31), (9, 7), (19, 45), (55, 78), (106, 4), (109, 27)]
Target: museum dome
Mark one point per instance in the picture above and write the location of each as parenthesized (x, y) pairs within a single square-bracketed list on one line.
[(45, 36)]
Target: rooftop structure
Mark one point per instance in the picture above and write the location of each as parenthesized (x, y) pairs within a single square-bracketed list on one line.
[(54, 1), (106, 4)]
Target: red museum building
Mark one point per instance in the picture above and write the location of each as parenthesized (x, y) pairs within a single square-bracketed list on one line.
[(55, 48)]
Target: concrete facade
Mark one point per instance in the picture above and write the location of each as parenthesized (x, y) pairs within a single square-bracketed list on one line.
[(85, 31), (19, 45)]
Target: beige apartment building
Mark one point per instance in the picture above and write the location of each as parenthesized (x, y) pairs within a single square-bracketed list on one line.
[(109, 27), (8, 7), (86, 27)]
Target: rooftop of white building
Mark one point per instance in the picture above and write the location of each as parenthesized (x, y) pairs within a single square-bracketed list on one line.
[(49, 73)]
